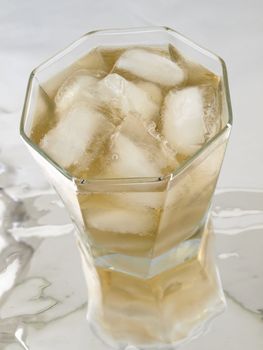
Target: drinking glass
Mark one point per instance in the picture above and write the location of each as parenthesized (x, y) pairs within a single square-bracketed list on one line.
[(145, 242)]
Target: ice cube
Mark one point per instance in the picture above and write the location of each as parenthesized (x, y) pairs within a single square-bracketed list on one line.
[(189, 117), (93, 60), (135, 152), (125, 96), (212, 109), (141, 199), (79, 86), (196, 73), (68, 141), (150, 66), (153, 91), (105, 212), (130, 160), (93, 63), (120, 220)]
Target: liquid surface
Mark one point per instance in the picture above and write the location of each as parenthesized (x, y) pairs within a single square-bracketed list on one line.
[(127, 112)]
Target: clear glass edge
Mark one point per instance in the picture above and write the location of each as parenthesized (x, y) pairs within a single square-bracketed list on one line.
[(132, 180)]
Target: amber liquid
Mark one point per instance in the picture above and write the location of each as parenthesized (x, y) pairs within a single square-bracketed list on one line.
[(145, 222), (164, 309), (150, 280)]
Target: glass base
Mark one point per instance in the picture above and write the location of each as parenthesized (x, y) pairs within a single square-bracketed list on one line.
[(170, 306)]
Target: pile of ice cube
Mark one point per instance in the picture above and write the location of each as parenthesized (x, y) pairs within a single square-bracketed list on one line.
[(131, 121)]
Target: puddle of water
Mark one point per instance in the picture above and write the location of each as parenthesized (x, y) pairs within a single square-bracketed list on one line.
[(228, 255), (35, 239), (238, 210)]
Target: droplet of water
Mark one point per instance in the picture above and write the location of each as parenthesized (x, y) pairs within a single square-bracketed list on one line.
[(131, 347), (228, 255), (2, 168)]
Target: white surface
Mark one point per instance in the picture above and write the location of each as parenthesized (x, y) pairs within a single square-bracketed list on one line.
[(30, 32)]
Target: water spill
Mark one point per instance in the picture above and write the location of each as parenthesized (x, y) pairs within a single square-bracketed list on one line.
[(20, 336), (8, 277), (23, 192), (42, 291), (2, 168), (228, 255), (41, 231), (238, 223), (38, 263), (238, 210)]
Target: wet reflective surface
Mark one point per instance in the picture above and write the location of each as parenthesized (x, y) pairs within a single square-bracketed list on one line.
[(42, 288)]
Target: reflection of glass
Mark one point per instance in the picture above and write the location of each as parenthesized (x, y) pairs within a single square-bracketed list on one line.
[(165, 239), (159, 310)]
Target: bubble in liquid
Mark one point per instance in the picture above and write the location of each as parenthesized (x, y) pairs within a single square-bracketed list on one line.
[(115, 156)]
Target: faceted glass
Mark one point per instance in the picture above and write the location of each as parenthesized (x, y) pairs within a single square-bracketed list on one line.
[(145, 242)]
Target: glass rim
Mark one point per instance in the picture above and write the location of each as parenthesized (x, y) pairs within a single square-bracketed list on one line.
[(126, 180)]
